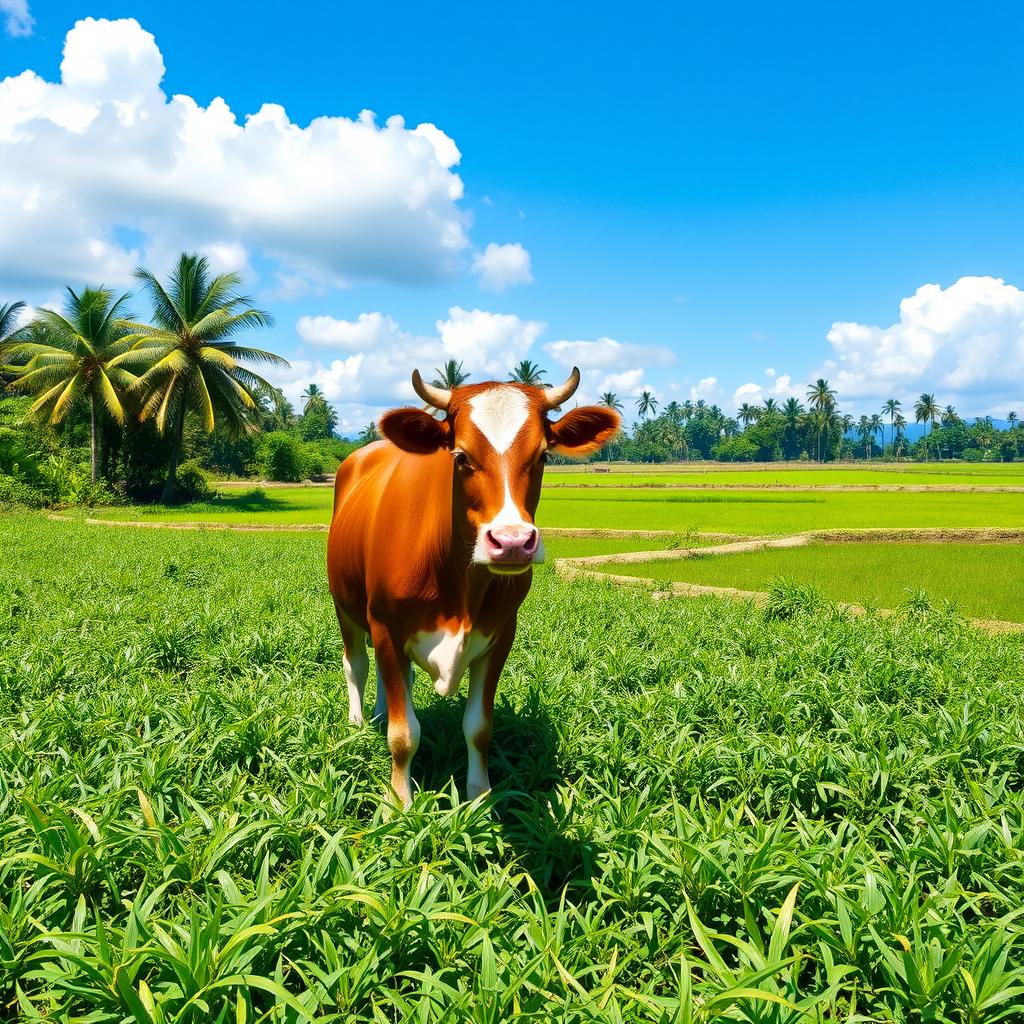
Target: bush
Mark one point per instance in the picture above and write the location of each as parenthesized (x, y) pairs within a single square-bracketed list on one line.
[(282, 458), (14, 492), (193, 482), (734, 449)]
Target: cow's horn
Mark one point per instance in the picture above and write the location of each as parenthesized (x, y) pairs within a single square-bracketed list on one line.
[(439, 398), (556, 396)]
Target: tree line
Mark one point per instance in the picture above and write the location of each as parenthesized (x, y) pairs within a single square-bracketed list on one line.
[(148, 394), (158, 405)]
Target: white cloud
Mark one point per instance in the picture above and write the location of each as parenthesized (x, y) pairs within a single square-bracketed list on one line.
[(607, 353), (609, 365), (501, 266), (17, 19), (376, 359), (780, 386), (706, 388), (102, 170), (964, 342), (487, 343), (369, 331)]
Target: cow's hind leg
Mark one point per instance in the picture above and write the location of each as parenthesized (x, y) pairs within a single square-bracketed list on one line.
[(479, 715), (356, 665), (395, 677)]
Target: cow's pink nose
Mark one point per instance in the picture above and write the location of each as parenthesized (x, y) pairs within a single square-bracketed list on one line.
[(512, 545)]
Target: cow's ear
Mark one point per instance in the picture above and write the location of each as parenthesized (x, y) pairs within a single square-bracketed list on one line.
[(583, 431), (414, 430)]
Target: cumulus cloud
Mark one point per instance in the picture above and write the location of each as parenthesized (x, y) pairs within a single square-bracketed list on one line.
[(17, 19), (609, 365), (707, 388), (102, 170), (779, 386), (375, 356), (965, 342), (487, 343), (501, 266)]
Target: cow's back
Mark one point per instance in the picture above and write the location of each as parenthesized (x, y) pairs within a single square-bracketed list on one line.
[(390, 524)]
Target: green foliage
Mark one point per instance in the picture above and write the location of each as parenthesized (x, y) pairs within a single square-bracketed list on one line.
[(788, 599), (734, 449), (193, 482), (700, 813), (281, 457)]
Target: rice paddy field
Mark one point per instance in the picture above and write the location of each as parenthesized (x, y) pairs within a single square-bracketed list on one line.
[(703, 810), (980, 580), (753, 513)]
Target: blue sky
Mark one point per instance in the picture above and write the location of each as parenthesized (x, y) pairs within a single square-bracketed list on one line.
[(712, 188)]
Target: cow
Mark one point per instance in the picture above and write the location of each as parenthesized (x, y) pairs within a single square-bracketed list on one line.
[(431, 548)]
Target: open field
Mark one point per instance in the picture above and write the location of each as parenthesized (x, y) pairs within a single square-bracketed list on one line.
[(698, 811), (989, 474), (750, 513), (775, 512), (982, 580)]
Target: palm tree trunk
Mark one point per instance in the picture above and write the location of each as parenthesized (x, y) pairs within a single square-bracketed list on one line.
[(171, 483), (92, 425)]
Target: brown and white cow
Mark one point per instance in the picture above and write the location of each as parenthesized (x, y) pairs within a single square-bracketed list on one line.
[(431, 546)]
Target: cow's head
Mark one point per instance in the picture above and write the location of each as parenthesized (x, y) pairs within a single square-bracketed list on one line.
[(498, 436)]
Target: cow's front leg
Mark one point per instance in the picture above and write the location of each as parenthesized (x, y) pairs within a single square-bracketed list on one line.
[(395, 675), (478, 719)]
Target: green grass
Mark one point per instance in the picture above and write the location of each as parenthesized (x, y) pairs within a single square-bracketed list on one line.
[(977, 475), (746, 512), (774, 512), (982, 580), (699, 812)]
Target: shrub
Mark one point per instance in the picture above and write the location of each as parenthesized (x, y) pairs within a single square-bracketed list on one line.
[(193, 482), (282, 458), (14, 492)]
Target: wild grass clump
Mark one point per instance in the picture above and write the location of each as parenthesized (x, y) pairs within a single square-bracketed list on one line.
[(787, 599), (701, 813)]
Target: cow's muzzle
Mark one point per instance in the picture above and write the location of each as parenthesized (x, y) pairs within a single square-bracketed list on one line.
[(511, 549)]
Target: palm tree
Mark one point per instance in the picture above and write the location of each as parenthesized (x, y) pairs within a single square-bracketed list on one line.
[(950, 416), (674, 412), (792, 411), (866, 432), (82, 354), (610, 400), (822, 399), (646, 405), (10, 313), (311, 396), (900, 424), (369, 434), (926, 410), (877, 427), (449, 376), (1012, 418), (747, 414), (891, 409), (528, 373), (197, 366), (770, 408)]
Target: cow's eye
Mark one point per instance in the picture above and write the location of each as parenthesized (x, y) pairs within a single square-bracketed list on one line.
[(461, 459)]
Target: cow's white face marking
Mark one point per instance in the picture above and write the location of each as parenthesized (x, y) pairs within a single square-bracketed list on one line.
[(445, 656), (499, 414)]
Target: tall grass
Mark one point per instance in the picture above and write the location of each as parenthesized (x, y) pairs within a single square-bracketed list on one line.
[(700, 813)]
